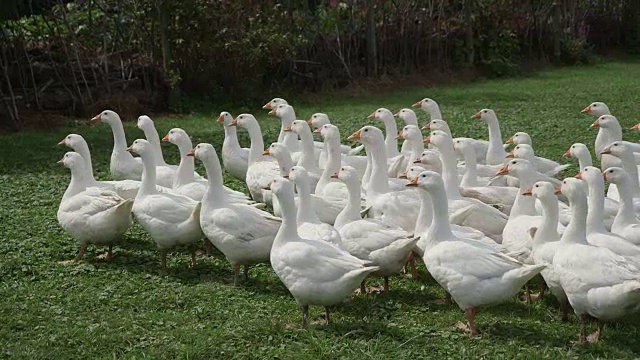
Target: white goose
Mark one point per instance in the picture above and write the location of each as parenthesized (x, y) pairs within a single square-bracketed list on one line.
[(409, 117), (170, 219), (384, 245), (412, 142), (287, 115), (126, 189), (243, 233), (261, 169), (283, 156), (544, 166), (123, 165), (309, 225), (316, 121), (89, 214), (273, 104), (429, 106), (597, 282), (165, 173), (626, 223), (315, 272), (234, 158), (390, 140), (495, 153), (481, 146), (308, 158), (325, 186), (599, 219), (472, 273), (482, 217), (546, 242)]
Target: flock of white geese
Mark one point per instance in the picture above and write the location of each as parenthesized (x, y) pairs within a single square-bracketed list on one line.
[(466, 207)]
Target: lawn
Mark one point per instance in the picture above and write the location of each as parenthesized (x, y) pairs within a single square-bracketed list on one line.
[(130, 308)]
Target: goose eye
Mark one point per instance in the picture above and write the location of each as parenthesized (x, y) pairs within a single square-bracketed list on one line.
[(615, 144), (610, 171), (594, 105), (241, 116), (69, 137), (513, 162), (378, 110), (366, 129), (485, 111), (573, 146), (315, 116), (104, 113), (426, 100), (537, 185), (422, 175), (564, 182)]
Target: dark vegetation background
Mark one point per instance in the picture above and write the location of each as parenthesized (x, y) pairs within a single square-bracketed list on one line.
[(74, 58)]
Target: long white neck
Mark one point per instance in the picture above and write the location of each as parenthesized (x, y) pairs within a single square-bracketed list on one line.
[(440, 228), (449, 168), (495, 140), (257, 143), (470, 177), (289, 228), (332, 165), (366, 177), (83, 149), (524, 205), (151, 134), (184, 174), (548, 229), (148, 186), (379, 179), (215, 195), (289, 138), (417, 147), (307, 158), (629, 165), (230, 138), (595, 201), (584, 160), (626, 211), (285, 163), (306, 210), (425, 216), (390, 141), (351, 212), (576, 232), (602, 140), (434, 112), (119, 139), (79, 181)]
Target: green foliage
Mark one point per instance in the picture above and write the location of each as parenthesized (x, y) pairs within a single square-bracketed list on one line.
[(128, 308)]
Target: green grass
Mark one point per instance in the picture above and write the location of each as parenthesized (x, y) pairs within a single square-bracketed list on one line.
[(129, 308)]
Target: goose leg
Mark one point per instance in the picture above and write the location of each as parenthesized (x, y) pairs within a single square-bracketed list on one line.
[(386, 283), (543, 290), (327, 314), (163, 259), (564, 308), (471, 314), (595, 337), (527, 293), (193, 258), (246, 272), (363, 288), (83, 248), (305, 314), (208, 247), (583, 328), (447, 299), (236, 274)]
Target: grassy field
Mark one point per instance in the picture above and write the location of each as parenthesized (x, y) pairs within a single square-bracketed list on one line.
[(129, 308)]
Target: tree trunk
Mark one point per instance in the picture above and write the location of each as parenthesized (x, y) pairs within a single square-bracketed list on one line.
[(372, 56), (557, 30), (163, 7), (468, 27)]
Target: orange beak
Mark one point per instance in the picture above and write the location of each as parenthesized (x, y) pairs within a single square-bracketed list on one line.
[(317, 131), (397, 114), (427, 139), (286, 176), (586, 110), (309, 122), (504, 170), (221, 118), (413, 182), (165, 138), (527, 192), (478, 115), (266, 152), (267, 105), (334, 176), (62, 142), (605, 152), (635, 127), (604, 175), (234, 122), (399, 136), (418, 104), (579, 175), (372, 115), (192, 152), (510, 155), (426, 127), (403, 175), (417, 162), (96, 118), (596, 124), (355, 135), (558, 191), (268, 187), (130, 149), (567, 153), (287, 129), (272, 112), (510, 140)]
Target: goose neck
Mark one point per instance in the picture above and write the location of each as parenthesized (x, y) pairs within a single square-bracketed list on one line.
[(379, 179), (390, 141), (595, 201), (148, 185), (79, 181), (119, 139), (257, 143), (230, 138), (214, 195), (186, 167), (307, 157), (83, 149), (351, 212), (151, 134), (524, 205), (449, 170), (425, 215), (548, 230), (584, 160), (576, 231), (470, 177), (289, 228), (440, 228), (306, 211), (630, 166), (626, 211), (332, 166), (495, 137)]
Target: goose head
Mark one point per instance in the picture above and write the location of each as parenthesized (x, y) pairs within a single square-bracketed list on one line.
[(592, 176), (413, 172), (427, 105), (73, 141), (464, 147), (487, 115), (407, 115), (109, 117), (71, 160), (522, 151), (616, 175), (577, 150), (520, 138), (573, 189), (202, 151), (176, 136), (617, 148), (145, 123), (437, 124), (317, 120), (283, 111), (244, 120), (519, 168), (299, 175), (299, 127), (282, 154), (368, 135), (439, 139), (225, 118), (597, 109), (427, 180), (431, 159), (140, 147), (410, 132), (542, 190), (347, 174), (382, 114), (281, 187), (605, 121), (329, 131), (274, 102)]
